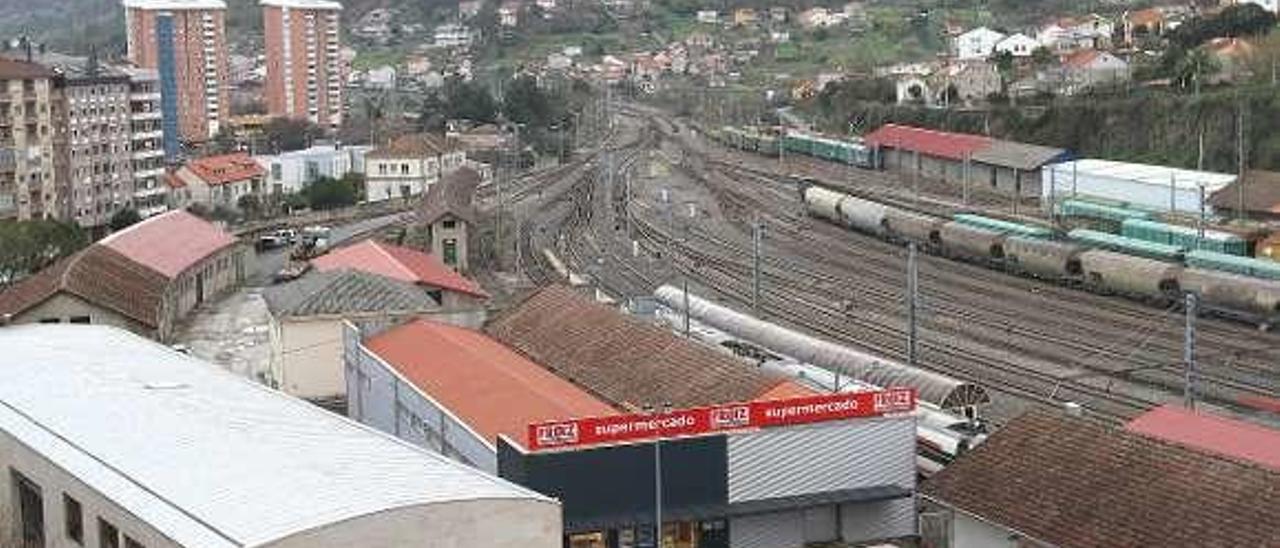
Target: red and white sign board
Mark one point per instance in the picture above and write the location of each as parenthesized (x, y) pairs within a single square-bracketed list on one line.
[(700, 421)]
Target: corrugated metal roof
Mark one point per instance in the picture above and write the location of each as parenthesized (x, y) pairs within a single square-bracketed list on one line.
[(169, 243), (1017, 155), (954, 146), (1221, 435), (207, 458), (1143, 173), (492, 388), (345, 291)]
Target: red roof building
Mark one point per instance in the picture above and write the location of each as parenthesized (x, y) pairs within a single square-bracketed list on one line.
[(398, 263), (217, 181), (487, 385), (1214, 434), (224, 169), (169, 243), (941, 144)]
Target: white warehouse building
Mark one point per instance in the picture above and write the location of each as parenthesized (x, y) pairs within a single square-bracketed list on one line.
[(110, 440), (1157, 188), (290, 172)]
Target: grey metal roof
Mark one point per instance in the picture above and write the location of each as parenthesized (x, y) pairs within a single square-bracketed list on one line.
[(205, 457), (342, 292), (1017, 155)]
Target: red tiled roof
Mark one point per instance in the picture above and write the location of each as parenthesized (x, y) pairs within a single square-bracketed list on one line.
[(485, 384), (1081, 59), (11, 69), (418, 145), (624, 360), (169, 243), (1233, 438), (227, 168), (1146, 17), (174, 181), (99, 275), (400, 263), (953, 146), (1066, 481)]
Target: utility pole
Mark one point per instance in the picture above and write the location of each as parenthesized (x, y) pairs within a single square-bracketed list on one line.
[(657, 472), (1240, 162), (686, 306), (964, 188), (1200, 224), (757, 234), (913, 282), (1189, 353)]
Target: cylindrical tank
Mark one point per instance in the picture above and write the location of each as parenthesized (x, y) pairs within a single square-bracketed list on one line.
[(1043, 258), (971, 242), (1130, 275)]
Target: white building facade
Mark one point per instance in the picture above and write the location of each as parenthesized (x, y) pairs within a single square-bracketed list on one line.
[(291, 172), (977, 43)]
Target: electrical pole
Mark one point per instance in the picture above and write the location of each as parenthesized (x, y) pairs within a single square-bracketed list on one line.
[(757, 234), (1240, 162), (912, 298), (686, 306), (1189, 353)]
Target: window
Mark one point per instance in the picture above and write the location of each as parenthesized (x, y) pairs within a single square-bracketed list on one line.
[(108, 535), (450, 223), (404, 169), (130, 543), (74, 518), (30, 506), (79, 319), (451, 252), (50, 320)]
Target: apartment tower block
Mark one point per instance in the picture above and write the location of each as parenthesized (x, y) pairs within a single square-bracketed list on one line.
[(304, 67)]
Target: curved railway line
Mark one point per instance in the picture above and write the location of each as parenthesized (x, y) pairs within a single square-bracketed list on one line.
[(1036, 342)]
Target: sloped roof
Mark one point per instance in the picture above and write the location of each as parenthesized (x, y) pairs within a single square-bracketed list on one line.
[(1017, 155), (1073, 482), (454, 195), (399, 263), (625, 361), (99, 275), (208, 458), (344, 291), (1211, 433), (11, 69), (490, 387), (418, 145), (224, 169), (1261, 193), (169, 243), (954, 146)]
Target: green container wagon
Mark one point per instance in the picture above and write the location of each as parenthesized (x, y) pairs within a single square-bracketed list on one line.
[(1248, 266), (1131, 246), (1002, 226)]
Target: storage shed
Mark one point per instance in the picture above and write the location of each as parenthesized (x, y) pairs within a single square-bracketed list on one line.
[(1159, 188), (1007, 166), (113, 440)]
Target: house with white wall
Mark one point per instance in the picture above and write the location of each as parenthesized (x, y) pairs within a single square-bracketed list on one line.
[(409, 165), (977, 43)]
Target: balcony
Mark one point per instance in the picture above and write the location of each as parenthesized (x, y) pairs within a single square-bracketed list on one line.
[(144, 193), (146, 116), (147, 154), (151, 96)]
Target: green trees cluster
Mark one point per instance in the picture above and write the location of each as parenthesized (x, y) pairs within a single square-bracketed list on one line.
[(328, 193), (28, 246)]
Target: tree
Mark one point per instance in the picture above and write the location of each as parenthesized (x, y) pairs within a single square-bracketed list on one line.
[(328, 193), (250, 205), (1041, 57), (27, 247), (124, 218), (287, 134)]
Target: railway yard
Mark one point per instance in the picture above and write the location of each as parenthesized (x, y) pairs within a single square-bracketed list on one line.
[(659, 205)]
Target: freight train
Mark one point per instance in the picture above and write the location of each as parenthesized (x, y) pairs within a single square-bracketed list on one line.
[(791, 142), (941, 434), (1227, 284)]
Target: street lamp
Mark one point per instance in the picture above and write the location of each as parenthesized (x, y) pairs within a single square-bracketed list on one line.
[(657, 471)]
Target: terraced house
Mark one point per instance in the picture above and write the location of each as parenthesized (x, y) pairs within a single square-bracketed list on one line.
[(408, 166)]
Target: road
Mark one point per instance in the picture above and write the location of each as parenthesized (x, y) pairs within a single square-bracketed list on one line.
[(267, 263)]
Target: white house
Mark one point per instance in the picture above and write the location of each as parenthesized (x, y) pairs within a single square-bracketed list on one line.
[(409, 165), (1088, 68), (453, 35), (381, 78), (1018, 45), (709, 17), (977, 43), (290, 172), (110, 440)]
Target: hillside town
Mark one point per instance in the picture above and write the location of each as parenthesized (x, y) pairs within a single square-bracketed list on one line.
[(624, 274)]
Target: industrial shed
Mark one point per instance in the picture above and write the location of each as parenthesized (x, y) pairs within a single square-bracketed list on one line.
[(961, 158), (1155, 188), (107, 439)]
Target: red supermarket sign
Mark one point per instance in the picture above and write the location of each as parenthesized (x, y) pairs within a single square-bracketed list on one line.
[(700, 421)]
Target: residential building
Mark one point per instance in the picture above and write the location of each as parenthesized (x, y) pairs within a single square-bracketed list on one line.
[(1018, 45), (546, 6), (1087, 69), (976, 162), (1068, 34), (454, 35), (953, 83), (977, 43), (1117, 487), (93, 164), (744, 17), (110, 440), (469, 8), (509, 14), (383, 77), (146, 128), (1148, 22), (28, 182), (305, 77), (409, 165), (217, 181), (291, 172), (307, 315), (185, 41), (779, 14), (144, 278), (448, 215), (450, 290), (708, 17), (1233, 56)]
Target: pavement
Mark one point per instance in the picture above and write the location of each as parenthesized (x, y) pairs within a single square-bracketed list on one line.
[(233, 333), (269, 262)]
